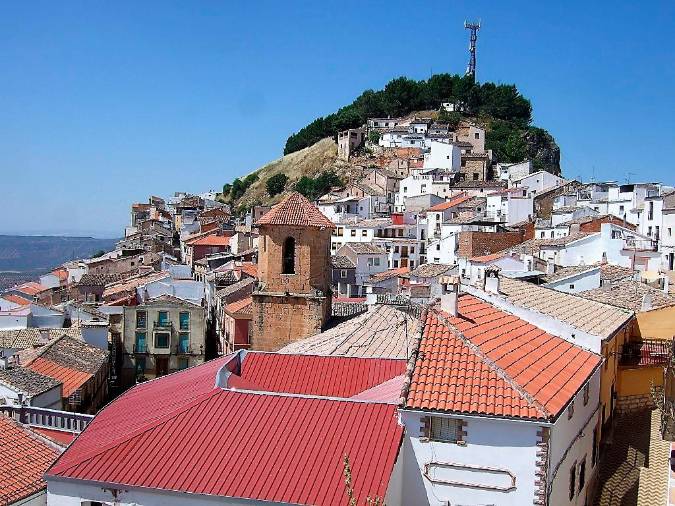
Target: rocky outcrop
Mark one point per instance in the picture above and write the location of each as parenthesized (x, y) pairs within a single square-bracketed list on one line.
[(542, 150)]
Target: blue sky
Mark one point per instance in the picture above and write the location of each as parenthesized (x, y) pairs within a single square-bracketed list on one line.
[(102, 104)]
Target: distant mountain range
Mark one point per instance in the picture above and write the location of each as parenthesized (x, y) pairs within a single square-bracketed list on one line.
[(39, 254)]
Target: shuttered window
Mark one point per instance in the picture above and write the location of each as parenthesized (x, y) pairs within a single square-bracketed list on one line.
[(444, 429)]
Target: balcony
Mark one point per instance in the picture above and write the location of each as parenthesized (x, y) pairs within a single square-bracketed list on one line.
[(184, 349), (163, 324), (645, 353), (140, 348), (640, 245), (47, 418)]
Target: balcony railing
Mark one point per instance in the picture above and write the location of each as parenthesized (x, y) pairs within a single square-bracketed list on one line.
[(183, 349), (641, 245), (47, 418), (163, 325), (645, 353), (140, 348)]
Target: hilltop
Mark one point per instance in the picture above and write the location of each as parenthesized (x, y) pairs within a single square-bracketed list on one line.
[(504, 113)]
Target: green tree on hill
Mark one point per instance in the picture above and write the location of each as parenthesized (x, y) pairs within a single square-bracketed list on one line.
[(276, 184)]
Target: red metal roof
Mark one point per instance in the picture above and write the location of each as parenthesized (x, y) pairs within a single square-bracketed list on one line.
[(487, 361), (260, 446), (443, 206), (72, 379), (297, 211), (23, 461), (317, 375)]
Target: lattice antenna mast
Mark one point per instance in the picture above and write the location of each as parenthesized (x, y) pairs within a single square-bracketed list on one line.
[(474, 27)]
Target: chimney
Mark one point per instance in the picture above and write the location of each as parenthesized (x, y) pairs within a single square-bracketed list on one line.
[(3, 362), (666, 284), (491, 279), (550, 267), (450, 296), (646, 302)]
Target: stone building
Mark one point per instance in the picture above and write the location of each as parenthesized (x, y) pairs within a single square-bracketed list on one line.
[(292, 300)]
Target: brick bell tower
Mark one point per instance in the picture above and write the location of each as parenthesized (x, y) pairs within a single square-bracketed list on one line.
[(292, 299)]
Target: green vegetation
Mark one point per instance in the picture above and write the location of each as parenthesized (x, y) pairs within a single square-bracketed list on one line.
[(276, 184), (402, 96), (374, 136), (98, 254), (239, 187), (504, 112), (313, 188)]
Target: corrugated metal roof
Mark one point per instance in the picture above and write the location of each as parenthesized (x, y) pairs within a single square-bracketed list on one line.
[(260, 446), (317, 375)]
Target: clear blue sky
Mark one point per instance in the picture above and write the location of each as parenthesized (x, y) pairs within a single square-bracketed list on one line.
[(102, 104)]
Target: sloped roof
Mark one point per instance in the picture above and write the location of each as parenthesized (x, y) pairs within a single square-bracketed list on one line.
[(327, 376), (210, 240), (72, 379), (594, 317), (23, 460), (261, 446), (628, 294), (341, 262), (365, 248), (388, 274), (17, 299), (243, 306), (31, 288), (450, 203), (382, 331), (295, 210), (488, 362), (27, 380), (431, 270)]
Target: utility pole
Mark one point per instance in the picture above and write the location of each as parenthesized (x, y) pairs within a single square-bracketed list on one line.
[(474, 27)]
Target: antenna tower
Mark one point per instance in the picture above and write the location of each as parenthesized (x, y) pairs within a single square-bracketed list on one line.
[(474, 27)]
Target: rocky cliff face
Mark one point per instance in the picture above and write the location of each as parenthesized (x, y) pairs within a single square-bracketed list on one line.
[(542, 150)]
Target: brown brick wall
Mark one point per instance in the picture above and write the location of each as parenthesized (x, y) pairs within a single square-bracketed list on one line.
[(471, 166), (540, 482), (594, 226), (312, 259), (279, 320), (484, 243)]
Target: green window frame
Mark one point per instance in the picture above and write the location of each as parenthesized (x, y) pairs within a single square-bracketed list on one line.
[(141, 344), (183, 342), (184, 320), (163, 318), (162, 339)]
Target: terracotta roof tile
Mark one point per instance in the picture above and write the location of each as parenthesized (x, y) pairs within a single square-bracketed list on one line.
[(391, 273), (16, 299), (295, 210), (72, 379), (243, 306), (450, 203), (210, 240), (23, 460), (486, 361)]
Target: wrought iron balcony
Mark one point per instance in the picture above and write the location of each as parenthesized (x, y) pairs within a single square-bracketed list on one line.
[(163, 325), (183, 349), (140, 348), (645, 353)]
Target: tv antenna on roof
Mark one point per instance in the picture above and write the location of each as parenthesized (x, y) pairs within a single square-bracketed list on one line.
[(474, 27)]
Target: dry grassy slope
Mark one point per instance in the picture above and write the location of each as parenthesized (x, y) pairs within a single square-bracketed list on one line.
[(309, 162)]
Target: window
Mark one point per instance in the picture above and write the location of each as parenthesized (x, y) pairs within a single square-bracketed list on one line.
[(587, 393), (582, 474), (570, 410), (412, 250), (621, 209), (183, 363), (141, 319), (476, 175), (649, 230), (445, 429), (438, 247), (405, 189), (163, 319), (184, 319), (395, 264), (183, 342), (288, 256), (140, 346), (670, 232), (396, 249), (343, 273), (162, 340), (572, 288), (340, 231), (542, 234), (573, 476), (353, 232), (476, 135), (364, 233)]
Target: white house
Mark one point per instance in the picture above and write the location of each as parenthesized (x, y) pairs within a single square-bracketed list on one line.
[(537, 182), (510, 206), (443, 155), (492, 436), (513, 171), (368, 259)]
